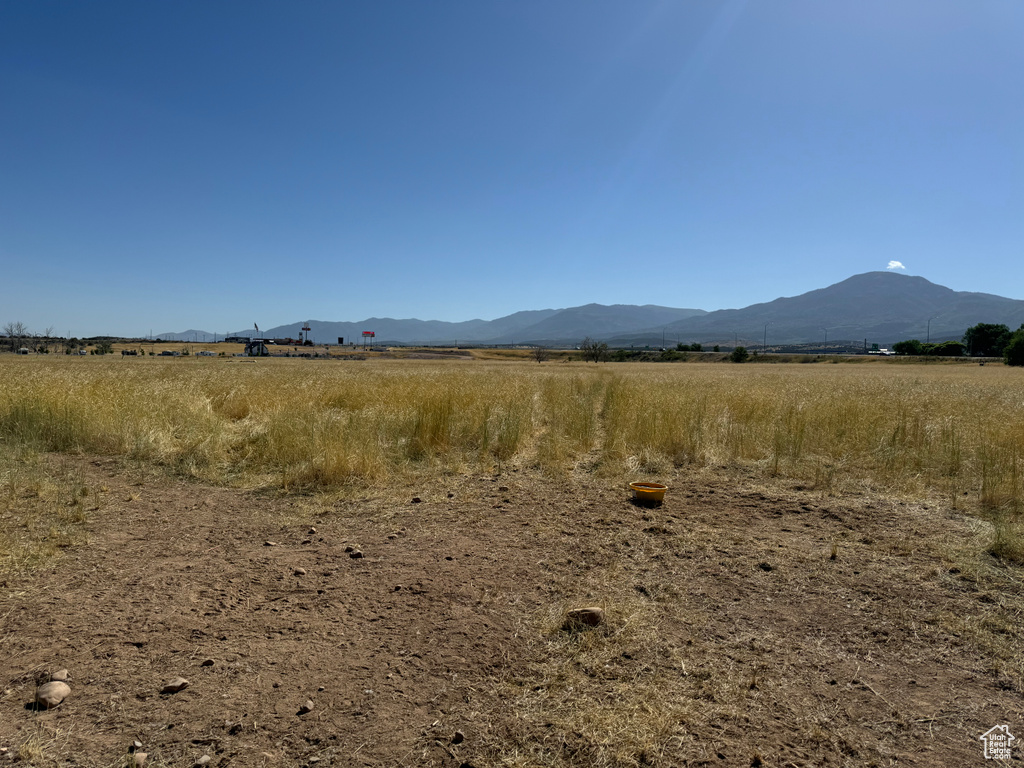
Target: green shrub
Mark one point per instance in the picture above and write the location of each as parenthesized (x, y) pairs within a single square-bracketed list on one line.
[(1013, 353), (908, 347)]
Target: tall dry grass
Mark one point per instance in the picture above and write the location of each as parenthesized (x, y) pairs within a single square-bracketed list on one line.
[(43, 507), (949, 430)]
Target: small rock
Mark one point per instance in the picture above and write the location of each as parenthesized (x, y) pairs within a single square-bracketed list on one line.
[(311, 531), (416, 499), (321, 689), (61, 676), (300, 571), (350, 548), (451, 495), (137, 759), (355, 554), (307, 707), (136, 745), (175, 685), (765, 566), (578, 618), (458, 738), (207, 663), (51, 694), (269, 543), (502, 488), (204, 760)]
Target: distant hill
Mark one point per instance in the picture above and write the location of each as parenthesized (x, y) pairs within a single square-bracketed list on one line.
[(529, 327), (882, 307), (595, 320)]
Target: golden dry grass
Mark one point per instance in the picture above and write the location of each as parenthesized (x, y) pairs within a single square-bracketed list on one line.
[(950, 431), (43, 508)]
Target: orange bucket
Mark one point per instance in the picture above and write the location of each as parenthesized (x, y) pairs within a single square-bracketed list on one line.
[(648, 492)]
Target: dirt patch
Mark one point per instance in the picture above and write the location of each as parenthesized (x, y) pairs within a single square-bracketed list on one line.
[(746, 626)]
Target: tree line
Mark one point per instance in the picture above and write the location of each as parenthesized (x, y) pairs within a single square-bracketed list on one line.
[(981, 340)]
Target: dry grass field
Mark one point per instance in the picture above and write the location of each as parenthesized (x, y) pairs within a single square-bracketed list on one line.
[(833, 579)]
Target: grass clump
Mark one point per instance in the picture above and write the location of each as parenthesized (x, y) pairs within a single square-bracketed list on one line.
[(43, 508)]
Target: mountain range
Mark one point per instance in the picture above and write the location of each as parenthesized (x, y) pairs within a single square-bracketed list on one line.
[(880, 307)]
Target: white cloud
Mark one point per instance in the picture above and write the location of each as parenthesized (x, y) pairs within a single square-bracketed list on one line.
[(895, 265)]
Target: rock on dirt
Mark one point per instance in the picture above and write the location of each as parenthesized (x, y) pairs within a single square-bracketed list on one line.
[(137, 759), (61, 676), (307, 707), (175, 685), (49, 695), (581, 618), (355, 554), (269, 543), (204, 760), (299, 571)]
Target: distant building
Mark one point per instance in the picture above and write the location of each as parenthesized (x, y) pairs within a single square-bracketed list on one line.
[(256, 348)]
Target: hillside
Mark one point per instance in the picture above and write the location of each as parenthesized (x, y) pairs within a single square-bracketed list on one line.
[(532, 326), (882, 307)]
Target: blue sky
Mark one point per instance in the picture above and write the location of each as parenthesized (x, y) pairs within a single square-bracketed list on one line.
[(166, 166)]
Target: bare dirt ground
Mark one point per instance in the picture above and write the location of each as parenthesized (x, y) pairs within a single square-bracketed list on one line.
[(734, 637)]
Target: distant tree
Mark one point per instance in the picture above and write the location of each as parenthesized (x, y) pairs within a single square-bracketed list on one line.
[(540, 354), (739, 355), (104, 348), (15, 333), (594, 351), (908, 347), (987, 339), (946, 349), (1013, 353), (716, 348)]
